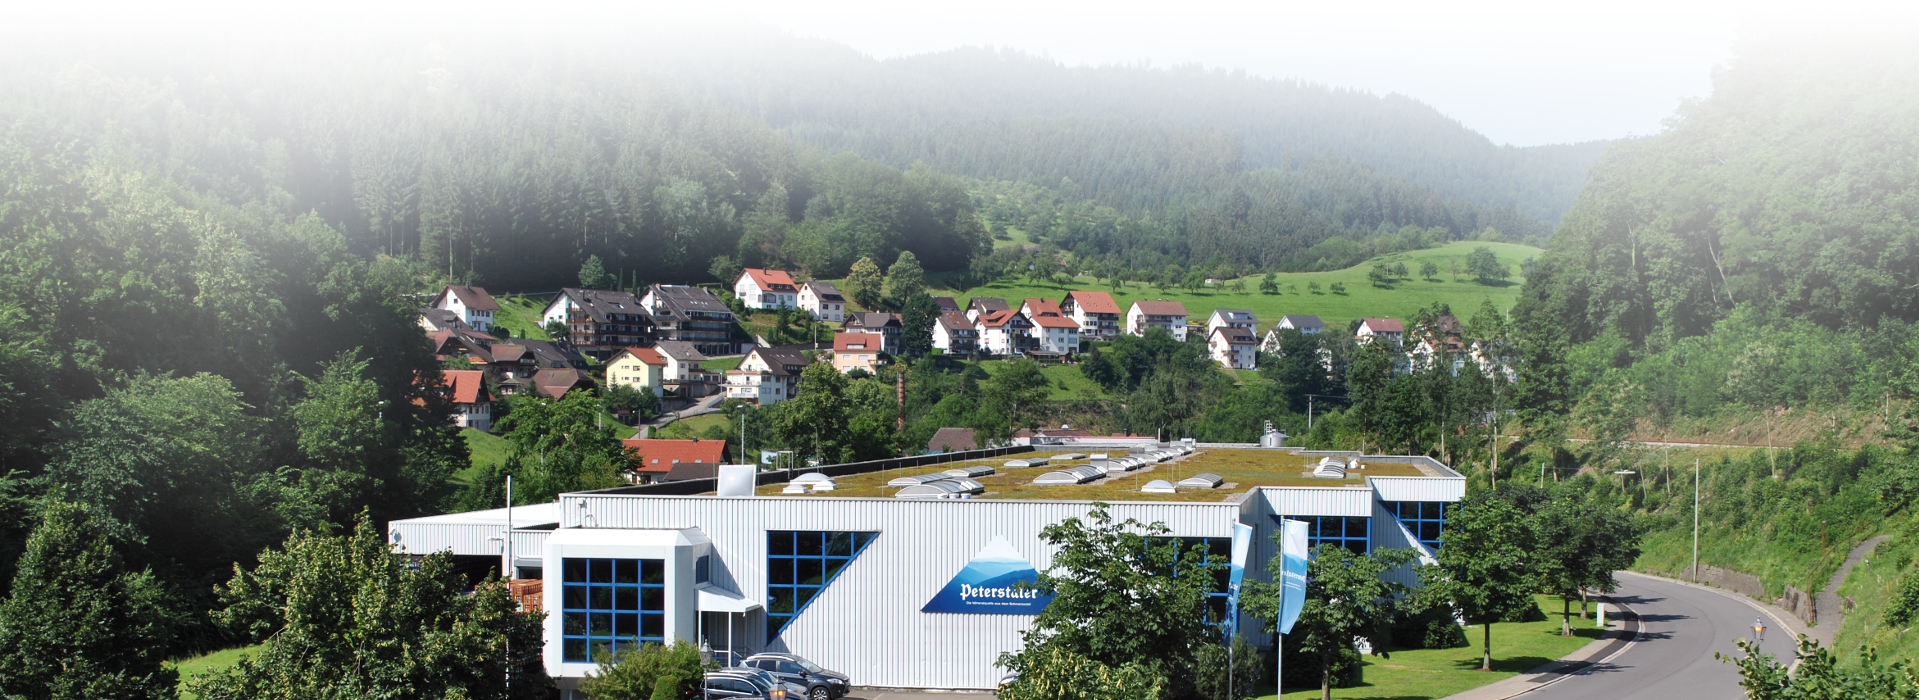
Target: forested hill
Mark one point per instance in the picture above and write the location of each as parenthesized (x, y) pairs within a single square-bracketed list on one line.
[(1761, 253), (911, 109)]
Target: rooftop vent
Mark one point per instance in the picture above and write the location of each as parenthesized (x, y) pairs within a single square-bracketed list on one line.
[(917, 479), (1158, 486), (1068, 456), (1024, 463), (1206, 480), (969, 472), (934, 489), (1067, 477), (1330, 468)]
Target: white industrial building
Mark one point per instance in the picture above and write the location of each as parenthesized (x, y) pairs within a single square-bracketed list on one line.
[(869, 584)]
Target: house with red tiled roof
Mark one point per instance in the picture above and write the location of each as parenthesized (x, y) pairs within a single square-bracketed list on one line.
[(1006, 332), (1388, 328), (1095, 312), (853, 351), (473, 406), (472, 304), (759, 288), (654, 460), (1054, 334), (644, 369), (1170, 315)]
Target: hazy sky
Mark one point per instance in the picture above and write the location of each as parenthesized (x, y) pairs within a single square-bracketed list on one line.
[(1520, 72)]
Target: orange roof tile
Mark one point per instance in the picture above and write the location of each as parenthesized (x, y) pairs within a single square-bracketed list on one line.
[(646, 355), (469, 385), (1094, 302), (659, 456), (771, 279), (1056, 322), (1042, 307)]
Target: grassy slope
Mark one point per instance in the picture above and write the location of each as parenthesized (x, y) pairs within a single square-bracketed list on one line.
[(1361, 298), (1437, 673), (211, 662), (1075, 384), (690, 428), (486, 449), (522, 315)]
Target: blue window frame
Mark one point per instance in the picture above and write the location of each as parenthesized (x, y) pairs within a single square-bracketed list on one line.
[(611, 605), (800, 564), (1425, 519), (1352, 532), (703, 569), (1219, 556)]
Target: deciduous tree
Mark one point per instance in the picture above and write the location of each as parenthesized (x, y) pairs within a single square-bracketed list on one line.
[(1486, 567)]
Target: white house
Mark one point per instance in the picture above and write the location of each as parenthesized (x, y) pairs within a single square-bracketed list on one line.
[(1231, 318), (1307, 324), (1056, 334), (474, 306), (1388, 328), (684, 371), (1170, 315), (1232, 348), (766, 289), (766, 376), (823, 301), (1095, 312), (472, 404), (1007, 332), (955, 335), (644, 369)]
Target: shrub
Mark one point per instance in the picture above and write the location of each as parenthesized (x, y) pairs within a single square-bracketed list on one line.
[(1062, 675), (640, 674), (1431, 629)]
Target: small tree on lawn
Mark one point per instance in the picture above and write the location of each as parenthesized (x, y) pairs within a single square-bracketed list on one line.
[(1581, 545), (863, 283), (1486, 568), (1123, 593), (1346, 597), (1428, 269), (1268, 284)]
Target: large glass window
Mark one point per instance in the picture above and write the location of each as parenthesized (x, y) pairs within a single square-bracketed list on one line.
[(1425, 519), (1219, 558), (800, 564), (611, 605), (1353, 533)]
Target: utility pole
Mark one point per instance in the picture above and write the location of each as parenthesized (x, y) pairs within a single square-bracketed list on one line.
[(1695, 518), (1309, 413)]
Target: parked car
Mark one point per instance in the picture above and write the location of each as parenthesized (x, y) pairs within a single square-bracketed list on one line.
[(818, 683), (792, 691), (739, 686)]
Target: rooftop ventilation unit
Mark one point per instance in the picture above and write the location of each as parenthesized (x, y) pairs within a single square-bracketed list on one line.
[(1158, 486), (1068, 456), (968, 485), (1098, 455), (969, 472), (934, 489), (811, 477), (1068, 477), (1024, 463), (738, 480), (917, 479), (1206, 480), (1330, 468)]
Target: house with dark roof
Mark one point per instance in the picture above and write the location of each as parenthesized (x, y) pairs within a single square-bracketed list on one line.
[(474, 306), (767, 376), (600, 322), (887, 326), (434, 320), (685, 372), (1095, 312), (956, 335), (472, 405), (463, 343), (1304, 323), (953, 440), (947, 304), (760, 288), (1145, 314), (693, 315), (655, 460), (1231, 318), (1233, 347), (555, 383), (823, 301)]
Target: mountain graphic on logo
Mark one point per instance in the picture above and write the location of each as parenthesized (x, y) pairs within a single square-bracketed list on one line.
[(991, 585)]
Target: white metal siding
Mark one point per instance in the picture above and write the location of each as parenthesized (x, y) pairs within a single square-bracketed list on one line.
[(868, 622), (458, 538), (1418, 488), (1318, 500)]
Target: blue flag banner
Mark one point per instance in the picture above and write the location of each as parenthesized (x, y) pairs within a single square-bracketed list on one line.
[(1242, 544), (989, 585), (1292, 596)]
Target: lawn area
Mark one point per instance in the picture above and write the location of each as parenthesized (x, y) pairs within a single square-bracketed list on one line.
[(690, 428), (210, 662), (722, 364), (1436, 673), (485, 448), (1065, 382), (521, 314), (1361, 299)]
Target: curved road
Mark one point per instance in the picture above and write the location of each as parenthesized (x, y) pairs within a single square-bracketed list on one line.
[(1679, 629)]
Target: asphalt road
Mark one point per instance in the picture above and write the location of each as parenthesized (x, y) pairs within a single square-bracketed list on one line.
[(1680, 628)]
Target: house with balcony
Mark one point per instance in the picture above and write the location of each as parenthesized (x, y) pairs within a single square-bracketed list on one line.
[(955, 335), (1169, 315), (759, 288), (471, 304), (887, 326), (767, 376), (1054, 336), (1095, 312), (978, 306), (1231, 318), (693, 315), (600, 322), (434, 320), (853, 351), (823, 301), (643, 369), (1233, 347), (685, 373), (514, 362), (1005, 333)]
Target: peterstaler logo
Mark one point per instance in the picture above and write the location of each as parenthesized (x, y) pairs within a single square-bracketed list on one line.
[(991, 584)]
